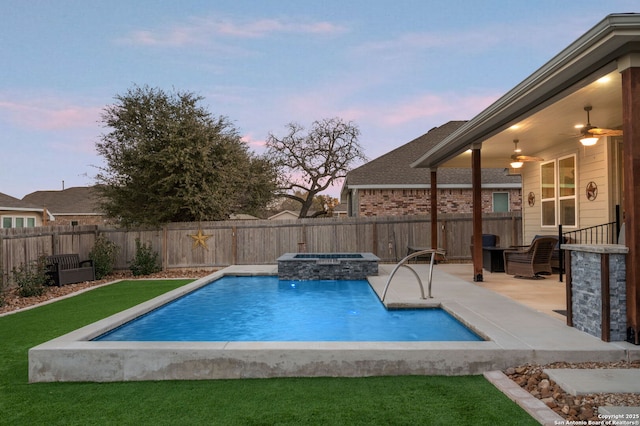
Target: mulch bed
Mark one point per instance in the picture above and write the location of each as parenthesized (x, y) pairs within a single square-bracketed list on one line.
[(13, 301)]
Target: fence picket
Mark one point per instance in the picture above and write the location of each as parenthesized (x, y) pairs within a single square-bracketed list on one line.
[(258, 241)]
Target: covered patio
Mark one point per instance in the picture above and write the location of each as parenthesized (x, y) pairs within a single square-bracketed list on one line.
[(572, 131), (547, 295)]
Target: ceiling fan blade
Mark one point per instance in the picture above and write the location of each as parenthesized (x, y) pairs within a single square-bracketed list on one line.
[(526, 158), (605, 132)]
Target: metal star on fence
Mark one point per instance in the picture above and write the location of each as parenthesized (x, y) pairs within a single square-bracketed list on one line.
[(200, 239)]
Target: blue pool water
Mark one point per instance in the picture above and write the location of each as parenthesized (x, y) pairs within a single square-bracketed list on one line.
[(264, 308)]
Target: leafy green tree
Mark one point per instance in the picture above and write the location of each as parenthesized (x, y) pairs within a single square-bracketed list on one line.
[(169, 160), (308, 163)]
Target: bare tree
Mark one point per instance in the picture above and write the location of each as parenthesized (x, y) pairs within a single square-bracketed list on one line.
[(310, 162)]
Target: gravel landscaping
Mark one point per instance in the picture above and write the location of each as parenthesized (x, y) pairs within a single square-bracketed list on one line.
[(571, 407)]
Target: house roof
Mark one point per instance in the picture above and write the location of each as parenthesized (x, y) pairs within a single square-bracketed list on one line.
[(285, 214), (547, 104), (76, 200), (7, 202), (393, 169)]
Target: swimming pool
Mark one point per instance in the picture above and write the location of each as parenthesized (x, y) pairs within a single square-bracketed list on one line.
[(75, 356), (264, 308)]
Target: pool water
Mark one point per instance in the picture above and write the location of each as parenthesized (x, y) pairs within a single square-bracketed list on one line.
[(264, 308)]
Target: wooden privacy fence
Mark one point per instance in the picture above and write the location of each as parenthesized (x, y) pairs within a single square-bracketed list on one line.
[(219, 244)]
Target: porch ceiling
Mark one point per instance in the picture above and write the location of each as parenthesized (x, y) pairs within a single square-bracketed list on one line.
[(553, 124), (548, 104)]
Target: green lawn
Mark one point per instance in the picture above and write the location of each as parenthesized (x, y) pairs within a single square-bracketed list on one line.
[(407, 400)]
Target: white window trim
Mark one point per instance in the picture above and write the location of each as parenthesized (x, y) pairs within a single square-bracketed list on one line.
[(493, 206), (549, 200), (14, 218), (568, 197), (557, 198)]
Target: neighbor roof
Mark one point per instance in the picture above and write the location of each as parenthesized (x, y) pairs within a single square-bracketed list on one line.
[(7, 201), (76, 200), (393, 170)]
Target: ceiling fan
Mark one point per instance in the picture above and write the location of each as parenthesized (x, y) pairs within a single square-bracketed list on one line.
[(517, 160), (588, 130)]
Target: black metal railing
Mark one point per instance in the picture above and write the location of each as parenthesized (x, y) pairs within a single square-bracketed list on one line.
[(606, 233)]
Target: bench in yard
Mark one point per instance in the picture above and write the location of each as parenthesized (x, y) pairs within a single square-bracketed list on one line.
[(67, 269)]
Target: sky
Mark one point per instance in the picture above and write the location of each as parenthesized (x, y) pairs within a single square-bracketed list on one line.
[(396, 68)]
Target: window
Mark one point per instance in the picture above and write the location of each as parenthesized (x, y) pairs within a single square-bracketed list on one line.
[(500, 201), (567, 192), (558, 189), (18, 222), (548, 191)]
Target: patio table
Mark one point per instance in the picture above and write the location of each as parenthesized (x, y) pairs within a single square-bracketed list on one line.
[(493, 259)]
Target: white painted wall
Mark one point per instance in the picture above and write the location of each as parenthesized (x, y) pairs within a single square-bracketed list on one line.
[(592, 164)]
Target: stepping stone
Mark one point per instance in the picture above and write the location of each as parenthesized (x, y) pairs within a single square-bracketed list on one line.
[(586, 381)]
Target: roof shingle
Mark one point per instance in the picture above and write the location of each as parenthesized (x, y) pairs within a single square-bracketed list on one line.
[(394, 167)]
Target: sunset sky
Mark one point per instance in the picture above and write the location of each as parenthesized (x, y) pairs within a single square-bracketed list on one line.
[(395, 68)]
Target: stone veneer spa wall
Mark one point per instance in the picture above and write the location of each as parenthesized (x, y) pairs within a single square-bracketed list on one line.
[(327, 266)]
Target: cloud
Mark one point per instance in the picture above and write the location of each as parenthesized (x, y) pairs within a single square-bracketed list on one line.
[(48, 114), (442, 106), (253, 142), (204, 31), (449, 106)]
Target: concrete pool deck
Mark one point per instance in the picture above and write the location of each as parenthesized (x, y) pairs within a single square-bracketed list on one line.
[(517, 334)]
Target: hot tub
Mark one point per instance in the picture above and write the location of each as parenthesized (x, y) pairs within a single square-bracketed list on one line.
[(327, 266)]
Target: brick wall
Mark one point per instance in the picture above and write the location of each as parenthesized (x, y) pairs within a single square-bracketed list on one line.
[(401, 202)]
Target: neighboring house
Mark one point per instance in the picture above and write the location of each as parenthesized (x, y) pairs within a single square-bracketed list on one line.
[(242, 216), (285, 215), (389, 186), (341, 210), (71, 206), (15, 213)]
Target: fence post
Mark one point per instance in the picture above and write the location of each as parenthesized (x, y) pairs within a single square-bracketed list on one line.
[(374, 238), (2, 271), (165, 249), (234, 244)]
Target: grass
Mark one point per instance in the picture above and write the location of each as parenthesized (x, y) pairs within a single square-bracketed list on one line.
[(406, 400)]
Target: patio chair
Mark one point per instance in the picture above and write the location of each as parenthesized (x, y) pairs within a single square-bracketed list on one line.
[(531, 261)]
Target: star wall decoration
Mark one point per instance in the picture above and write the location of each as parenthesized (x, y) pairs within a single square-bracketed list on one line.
[(200, 239)]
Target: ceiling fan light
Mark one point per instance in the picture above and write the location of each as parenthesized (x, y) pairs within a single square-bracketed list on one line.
[(589, 141), (516, 164)]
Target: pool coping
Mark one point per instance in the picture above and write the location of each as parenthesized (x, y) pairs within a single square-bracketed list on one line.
[(512, 341)]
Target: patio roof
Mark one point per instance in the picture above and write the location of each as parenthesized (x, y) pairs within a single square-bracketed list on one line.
[(543, 109)]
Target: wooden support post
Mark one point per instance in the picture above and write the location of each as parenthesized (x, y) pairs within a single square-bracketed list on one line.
[(569, 287), (476, 180), (631, 146)]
